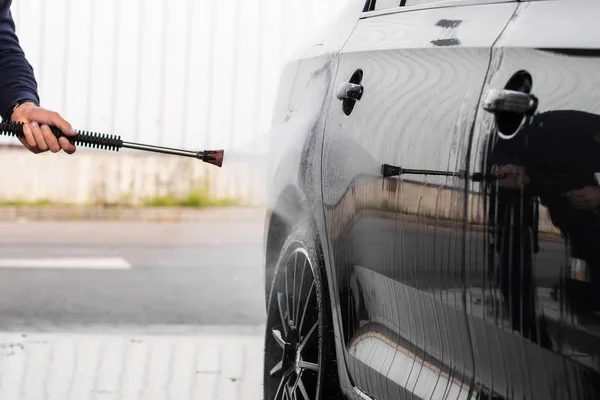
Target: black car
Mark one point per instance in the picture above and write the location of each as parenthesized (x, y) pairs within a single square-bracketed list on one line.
[(433, 226)]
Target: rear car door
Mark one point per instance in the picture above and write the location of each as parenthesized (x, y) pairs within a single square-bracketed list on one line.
[(410, 79), (533, 259)]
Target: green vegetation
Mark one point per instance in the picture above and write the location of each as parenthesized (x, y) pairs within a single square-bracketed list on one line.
[(38, 203), (197, 198)]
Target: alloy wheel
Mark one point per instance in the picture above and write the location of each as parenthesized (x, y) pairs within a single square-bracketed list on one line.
[(292, 341)]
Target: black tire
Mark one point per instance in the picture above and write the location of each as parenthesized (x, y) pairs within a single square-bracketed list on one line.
[(293, 370)]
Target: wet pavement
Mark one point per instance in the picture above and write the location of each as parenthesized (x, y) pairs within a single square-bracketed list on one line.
[(131, 310)]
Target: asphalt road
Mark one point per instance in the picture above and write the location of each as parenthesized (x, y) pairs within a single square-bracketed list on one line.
[(169, 276)]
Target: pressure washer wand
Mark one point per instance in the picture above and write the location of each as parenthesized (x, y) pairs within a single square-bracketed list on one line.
[(214, 157), (388, 171), (114, 143)]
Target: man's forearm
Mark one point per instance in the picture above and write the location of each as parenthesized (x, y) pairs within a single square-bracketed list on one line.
[(17, 80)]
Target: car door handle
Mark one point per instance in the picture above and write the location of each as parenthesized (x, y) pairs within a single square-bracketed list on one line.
[(350, 91), (503, 100)]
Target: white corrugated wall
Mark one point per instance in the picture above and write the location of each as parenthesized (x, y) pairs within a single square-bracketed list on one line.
[(189, 73)]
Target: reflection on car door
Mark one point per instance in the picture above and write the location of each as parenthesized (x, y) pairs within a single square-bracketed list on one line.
[(533, 259), (396, 240)]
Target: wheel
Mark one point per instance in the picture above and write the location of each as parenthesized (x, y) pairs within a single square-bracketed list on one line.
[(300, 358)]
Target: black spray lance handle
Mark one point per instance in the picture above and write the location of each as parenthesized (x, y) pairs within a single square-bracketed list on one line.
[(85, 139), (114, 143)]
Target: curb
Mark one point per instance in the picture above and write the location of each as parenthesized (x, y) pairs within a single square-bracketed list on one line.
[(143, 214)]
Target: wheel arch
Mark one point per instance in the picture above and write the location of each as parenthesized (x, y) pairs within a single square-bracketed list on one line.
[(290, 208)]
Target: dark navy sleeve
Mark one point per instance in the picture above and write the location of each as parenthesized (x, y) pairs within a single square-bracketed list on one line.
[(17, 81)]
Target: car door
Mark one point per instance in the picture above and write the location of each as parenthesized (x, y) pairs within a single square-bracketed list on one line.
[(410, 80), (533, 291)]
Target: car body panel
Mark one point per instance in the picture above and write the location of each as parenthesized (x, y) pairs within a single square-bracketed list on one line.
[(296, 138), (397, 270), (419, 307), (528, 341)]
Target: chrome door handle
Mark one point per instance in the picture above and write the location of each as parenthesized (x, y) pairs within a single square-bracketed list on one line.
[(350, 91), (503, 100)]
